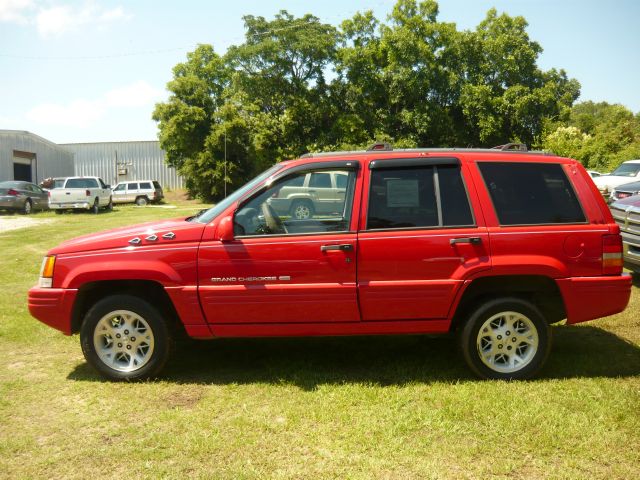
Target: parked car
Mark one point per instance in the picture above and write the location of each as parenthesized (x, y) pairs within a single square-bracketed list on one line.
[(23, 197), (493, 245), (626, 212), (304, 196), (625, 190), (139, 192), (80, 193), (625, 173)]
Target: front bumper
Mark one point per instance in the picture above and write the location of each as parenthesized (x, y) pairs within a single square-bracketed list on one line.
[(588, 298), (631, 251), (53, 307)]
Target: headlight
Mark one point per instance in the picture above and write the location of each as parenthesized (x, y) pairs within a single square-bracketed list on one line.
[(46, 272)]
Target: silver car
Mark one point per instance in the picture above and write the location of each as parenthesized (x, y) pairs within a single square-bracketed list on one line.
[(316, 193), (139, 192), (23, 197)]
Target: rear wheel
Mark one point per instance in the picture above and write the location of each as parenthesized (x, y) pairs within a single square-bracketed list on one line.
[(124, 338), (96, 207), (506, 339), (141, 201), (301, 210), (27, 207)]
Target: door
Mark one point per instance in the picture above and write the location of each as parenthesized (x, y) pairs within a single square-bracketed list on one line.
[(282, 270), (420, 240), (132, 192)]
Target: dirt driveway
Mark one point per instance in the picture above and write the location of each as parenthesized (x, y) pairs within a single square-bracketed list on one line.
[(15, 222)]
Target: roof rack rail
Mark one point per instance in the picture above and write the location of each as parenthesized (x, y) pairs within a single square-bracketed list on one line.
[(380, 146), (519, 147)]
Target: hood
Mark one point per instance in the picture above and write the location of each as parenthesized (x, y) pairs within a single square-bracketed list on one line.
[(633, 201), (611, 181), (183, 232), (629, 187)]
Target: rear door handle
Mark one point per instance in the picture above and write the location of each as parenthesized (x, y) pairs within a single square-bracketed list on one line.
[(471, 240), (345, 247)]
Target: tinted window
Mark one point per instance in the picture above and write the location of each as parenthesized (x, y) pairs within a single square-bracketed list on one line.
[(156, 184), (320, 180), (402, 198), (81, 183), (627, 170), (132, 186), (146, 185), (531, 193), (296, 181), (58, 183), (119, 188), (453, 197)]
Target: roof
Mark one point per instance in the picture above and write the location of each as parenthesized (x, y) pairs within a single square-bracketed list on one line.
[(29, 134)]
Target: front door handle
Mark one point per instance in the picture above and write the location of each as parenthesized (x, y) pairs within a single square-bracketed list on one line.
[(345, 247), (471, 240)]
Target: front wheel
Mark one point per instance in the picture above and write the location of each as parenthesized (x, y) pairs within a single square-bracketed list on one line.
[(507, 339), (124, 338)]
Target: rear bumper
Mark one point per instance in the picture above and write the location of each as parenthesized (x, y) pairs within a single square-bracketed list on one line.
[(588, 298), (70, 205), (53, 307)]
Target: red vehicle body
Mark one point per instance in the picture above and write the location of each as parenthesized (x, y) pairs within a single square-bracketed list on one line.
[(217, 283)]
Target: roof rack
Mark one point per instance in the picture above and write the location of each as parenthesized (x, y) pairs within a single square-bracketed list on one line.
[(501, 150), (518, 147)]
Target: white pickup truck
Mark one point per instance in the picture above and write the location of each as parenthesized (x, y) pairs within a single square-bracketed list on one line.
[(80, 193)]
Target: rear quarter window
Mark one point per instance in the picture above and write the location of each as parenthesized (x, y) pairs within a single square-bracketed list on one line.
[(531, 193), (146, 185)]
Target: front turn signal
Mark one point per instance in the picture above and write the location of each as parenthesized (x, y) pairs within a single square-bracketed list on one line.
[(46, 271)]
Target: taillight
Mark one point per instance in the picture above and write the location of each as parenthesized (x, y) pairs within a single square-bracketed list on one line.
[(88, 193), (13, 192), (611, 254)]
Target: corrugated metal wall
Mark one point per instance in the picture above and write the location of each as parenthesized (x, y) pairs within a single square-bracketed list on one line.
[(119, 161), (51, 160)]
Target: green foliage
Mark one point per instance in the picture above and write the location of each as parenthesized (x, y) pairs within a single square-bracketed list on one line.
[(296, 85), (600, 135)]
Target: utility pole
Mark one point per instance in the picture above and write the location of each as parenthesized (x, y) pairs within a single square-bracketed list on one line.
[(225, 160)]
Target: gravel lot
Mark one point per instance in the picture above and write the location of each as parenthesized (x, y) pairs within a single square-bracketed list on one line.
[(13, 223)]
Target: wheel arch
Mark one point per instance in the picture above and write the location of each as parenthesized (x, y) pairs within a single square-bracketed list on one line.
[(541, 291), (147, 290)]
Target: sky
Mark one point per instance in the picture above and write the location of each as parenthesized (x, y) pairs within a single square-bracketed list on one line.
[(92, 70)]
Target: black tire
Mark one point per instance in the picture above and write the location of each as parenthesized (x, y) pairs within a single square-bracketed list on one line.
[(301, 210), (161, 342), (27, 208), (528, 342), (59, 212), (109, 207), (142, 201), (96, 207)]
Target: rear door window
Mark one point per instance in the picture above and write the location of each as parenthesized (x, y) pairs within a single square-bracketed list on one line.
[(531, 193), (418, 197)]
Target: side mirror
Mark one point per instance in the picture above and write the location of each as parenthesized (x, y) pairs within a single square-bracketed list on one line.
[(224, 231)]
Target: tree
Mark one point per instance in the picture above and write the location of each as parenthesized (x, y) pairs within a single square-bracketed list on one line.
[(296, 85)]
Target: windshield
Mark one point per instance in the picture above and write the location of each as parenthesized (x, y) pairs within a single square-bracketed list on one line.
[(216, 210), (627, 170)]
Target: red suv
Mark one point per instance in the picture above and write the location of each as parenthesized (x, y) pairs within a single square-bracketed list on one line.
[(494, 245)]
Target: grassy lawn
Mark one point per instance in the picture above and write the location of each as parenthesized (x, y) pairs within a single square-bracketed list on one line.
[(377, 407)]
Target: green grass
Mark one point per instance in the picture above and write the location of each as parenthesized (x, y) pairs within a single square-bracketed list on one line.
[(375, 407)]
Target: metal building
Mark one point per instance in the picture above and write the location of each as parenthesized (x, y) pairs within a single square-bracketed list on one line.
[(120, 161), (26, 156)]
